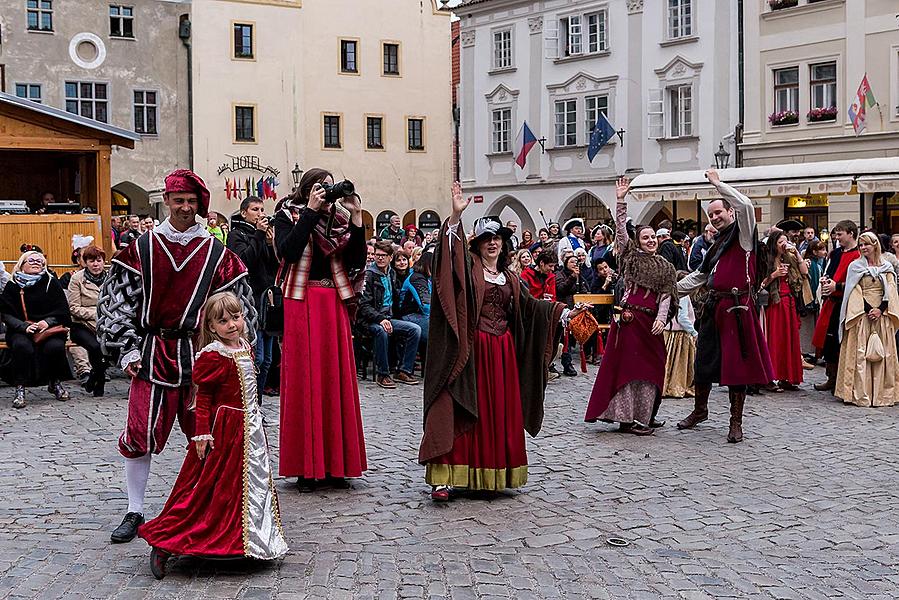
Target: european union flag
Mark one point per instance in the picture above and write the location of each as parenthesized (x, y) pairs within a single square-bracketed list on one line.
[(602, 133)]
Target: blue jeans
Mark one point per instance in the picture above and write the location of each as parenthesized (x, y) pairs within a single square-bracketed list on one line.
[(408, 332), (264, 343), (422, 321)]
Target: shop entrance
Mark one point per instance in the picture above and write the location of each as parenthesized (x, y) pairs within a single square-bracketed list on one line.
[(810, 210)]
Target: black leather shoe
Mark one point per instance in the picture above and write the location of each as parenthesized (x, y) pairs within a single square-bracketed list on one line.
[(569, 372), (655, 423), (128, 529), (158, 560)]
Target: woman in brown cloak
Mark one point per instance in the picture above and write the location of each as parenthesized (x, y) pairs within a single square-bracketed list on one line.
[(489, 349)]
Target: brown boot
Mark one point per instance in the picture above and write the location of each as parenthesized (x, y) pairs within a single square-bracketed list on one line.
[(700, 407), (737, 399), (831, 383)]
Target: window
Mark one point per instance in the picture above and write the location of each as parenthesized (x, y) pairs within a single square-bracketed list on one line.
[(391, 59), (680, 18), (349, 56), (244, 44), (244, 123), (40, 15), (145, 112), (786, 90), (680, 102), (374, 127), (597, 32), (121, 21), (331, 132), (566, 122), (570, 29), (416, 133), (88, 99), (502, 126), (823, 85), (593, 107), (29, 91), (502, 49)]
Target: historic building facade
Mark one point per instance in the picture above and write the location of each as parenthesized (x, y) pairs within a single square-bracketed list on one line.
[(663, 73), (117, 63)]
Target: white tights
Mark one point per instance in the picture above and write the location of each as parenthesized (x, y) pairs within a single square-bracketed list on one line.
[(137, 471)]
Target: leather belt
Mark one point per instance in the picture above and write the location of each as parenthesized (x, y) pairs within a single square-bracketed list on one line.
[(172, 334), (325, 283)]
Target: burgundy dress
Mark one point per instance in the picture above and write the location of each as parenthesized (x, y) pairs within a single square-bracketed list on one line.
[(224, 506), (491, 455), (782, 327)]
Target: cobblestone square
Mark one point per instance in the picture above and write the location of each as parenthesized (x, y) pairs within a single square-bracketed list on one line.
[(806, 507)]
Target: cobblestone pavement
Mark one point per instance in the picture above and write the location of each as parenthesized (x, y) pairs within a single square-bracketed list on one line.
[(806, 507)]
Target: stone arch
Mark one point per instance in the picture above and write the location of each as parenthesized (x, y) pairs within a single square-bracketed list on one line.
[(586, 205), (138, 199), (510, 208), (383, 220), (429, 219)]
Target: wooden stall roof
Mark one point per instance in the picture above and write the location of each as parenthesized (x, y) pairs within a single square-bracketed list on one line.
[(67, 127)]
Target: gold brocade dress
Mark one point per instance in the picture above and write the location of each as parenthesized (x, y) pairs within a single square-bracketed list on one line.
[(860, 381)]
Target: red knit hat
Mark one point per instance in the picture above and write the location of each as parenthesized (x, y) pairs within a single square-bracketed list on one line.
[(185, 180)]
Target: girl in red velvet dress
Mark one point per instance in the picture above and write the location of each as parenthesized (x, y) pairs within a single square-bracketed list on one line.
[(224, 503)]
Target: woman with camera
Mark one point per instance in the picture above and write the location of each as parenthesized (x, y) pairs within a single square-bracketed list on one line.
[(321, 423), (34, 308)]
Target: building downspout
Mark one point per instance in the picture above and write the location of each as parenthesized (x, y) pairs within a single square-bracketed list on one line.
[(184, 31), (738, 130)]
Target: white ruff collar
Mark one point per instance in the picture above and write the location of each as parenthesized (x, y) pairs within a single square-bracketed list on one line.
[(173, 235)]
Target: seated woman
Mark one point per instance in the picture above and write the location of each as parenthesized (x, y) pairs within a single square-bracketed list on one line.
[(30, 305), (869, 318), (415, 298), (82, 294)]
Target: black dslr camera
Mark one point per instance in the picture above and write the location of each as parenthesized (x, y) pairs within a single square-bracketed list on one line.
[(339, 190)]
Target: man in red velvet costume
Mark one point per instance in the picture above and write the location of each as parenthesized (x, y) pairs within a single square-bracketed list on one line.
[(730, 349), (832, 285), (149, 312)]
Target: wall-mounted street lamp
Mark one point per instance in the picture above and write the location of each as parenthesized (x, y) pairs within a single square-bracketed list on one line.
[(722, 157), (296, 173)]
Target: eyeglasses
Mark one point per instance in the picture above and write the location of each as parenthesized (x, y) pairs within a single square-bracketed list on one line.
[(381, 255), (33, 260)]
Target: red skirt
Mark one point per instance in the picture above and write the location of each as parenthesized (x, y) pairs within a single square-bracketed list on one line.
[(204, 513), (782, 328), (491, 455), (321, 422)]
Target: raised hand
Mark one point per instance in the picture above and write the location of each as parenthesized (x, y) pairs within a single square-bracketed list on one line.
[(460, 203), (622, 187), (713, 177)]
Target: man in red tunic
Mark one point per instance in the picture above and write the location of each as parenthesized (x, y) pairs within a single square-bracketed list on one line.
[(832, 285), (149, 312), (730, 348)]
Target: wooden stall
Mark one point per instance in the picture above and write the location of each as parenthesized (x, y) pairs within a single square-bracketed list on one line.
[(45, 149)]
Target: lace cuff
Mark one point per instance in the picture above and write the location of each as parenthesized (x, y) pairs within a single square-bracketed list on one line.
[(206, 437), (565, 317), (129, 357)]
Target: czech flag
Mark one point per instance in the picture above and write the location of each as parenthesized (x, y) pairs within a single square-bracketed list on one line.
[(524, 141)]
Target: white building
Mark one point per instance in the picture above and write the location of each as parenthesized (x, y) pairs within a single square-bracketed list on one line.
[(663, 71)]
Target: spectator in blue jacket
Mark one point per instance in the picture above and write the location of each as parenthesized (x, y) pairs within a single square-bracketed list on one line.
[(700, 247), (415, 298)]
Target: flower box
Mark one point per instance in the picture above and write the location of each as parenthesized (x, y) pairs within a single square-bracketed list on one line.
[(779, 4), (786, 117), (818, 115)]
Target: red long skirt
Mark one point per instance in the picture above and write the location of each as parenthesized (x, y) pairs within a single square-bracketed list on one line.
[(782, 328), (492, 454), (204, 513), (321, 423)]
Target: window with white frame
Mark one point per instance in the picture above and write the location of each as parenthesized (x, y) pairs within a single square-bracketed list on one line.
[(502, 126), (88, 99), (121, 21), (146, 111), (786, 90), (593, 107), (680, 104), (584, 34), (40, 15), (680, 19), (29, 91), (823, 85), (502, 49), (566, 123)]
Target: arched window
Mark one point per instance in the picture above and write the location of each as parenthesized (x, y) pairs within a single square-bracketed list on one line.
[(428, 220), (383, 220)]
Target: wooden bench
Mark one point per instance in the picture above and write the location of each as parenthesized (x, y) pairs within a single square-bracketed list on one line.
[(596, 300)]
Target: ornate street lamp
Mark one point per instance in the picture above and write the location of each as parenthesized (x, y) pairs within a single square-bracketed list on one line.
[(722, 157), (296, 173)]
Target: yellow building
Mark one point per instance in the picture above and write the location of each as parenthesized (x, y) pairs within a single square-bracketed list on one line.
[(359, 88)]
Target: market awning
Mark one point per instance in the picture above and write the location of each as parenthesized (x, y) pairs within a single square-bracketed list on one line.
[(830, 177)]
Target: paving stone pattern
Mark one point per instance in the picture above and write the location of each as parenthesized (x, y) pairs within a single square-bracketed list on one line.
[(806, 507)]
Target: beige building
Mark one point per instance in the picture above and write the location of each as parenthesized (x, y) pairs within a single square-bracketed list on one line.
[(359, 88), (805, 59), (120, 64)]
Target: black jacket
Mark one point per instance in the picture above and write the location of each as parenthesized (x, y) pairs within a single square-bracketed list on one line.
[(567, 285), (252, 247), (673, 254), (371, 307), (408, 305), (291, 240), (45, 301)]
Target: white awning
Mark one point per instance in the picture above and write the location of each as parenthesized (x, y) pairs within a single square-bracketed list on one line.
[(830, 177)]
